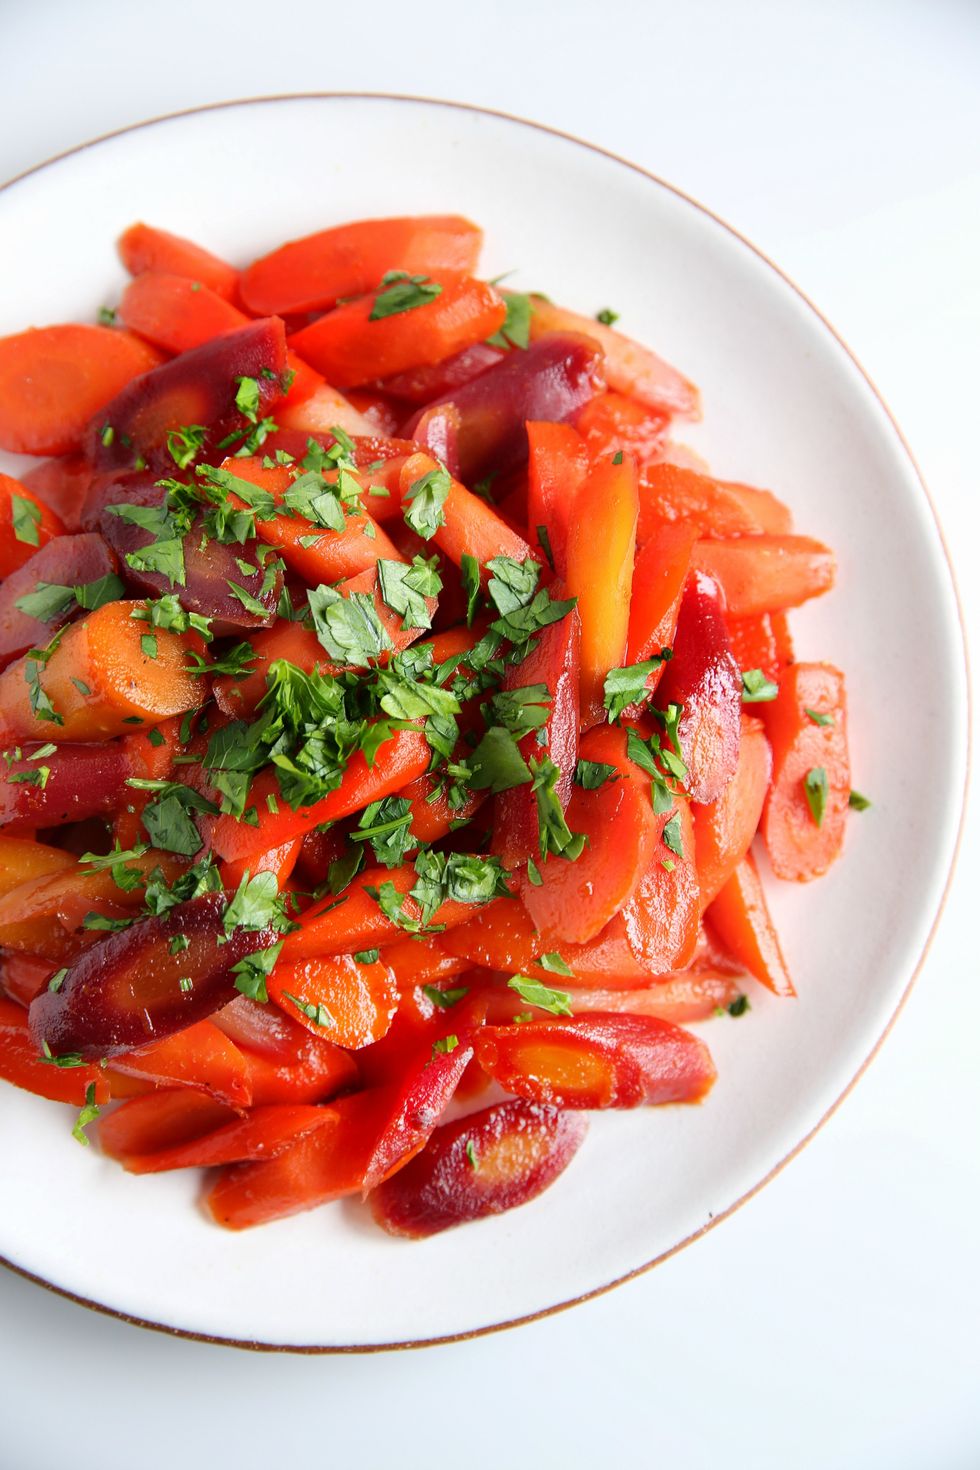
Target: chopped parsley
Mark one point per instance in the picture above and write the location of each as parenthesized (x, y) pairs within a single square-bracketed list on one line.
[(88, 1115), (401, 292), (816, 790), (756, 688), (26, 519), (558, 1002), (627, 686), (857, 802), (424, 501)]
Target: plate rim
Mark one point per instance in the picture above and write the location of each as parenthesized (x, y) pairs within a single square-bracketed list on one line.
[(312, 1349)]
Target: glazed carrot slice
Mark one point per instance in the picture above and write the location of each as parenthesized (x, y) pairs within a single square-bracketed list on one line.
[(44, 914), (100, 680), (357, 343), (558, 462), (672, 492), (62, 485), (761, 641), (739, 915), (26, 524), (264, 1134), (480, 1165), (315, 272), (144, 248), (53, 380), (160, 1120), (601, 552), (612, 423), (575, 900), (470, 526), (355, 921), (200, 1056), (658, 585), (629, 367), (280, 860), (22, 859), (693, 995), (25, 1067), (326, 1164), (399, 760), (761, 574), (328, 555), (806, 811), (597, 1061), (420, 961), (321, 412), (349, 1002), (725, 827), (432, 813), (22, 976), (292, 642), (175, 313)]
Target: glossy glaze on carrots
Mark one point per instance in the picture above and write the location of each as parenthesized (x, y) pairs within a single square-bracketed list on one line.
[(389, 706)]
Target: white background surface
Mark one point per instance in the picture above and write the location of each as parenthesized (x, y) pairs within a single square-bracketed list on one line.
[(832, 1321)]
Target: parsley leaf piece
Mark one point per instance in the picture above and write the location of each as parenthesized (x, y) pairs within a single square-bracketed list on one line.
[(343, 870), (184, 445), (257, 904), (627, 686), (253, 971), (607, 316), (544, 541), (558, 1002), (512, 583), (739, 1006), (534, 873), (367, 956), (405, 587), (88, 1115), (857, 802), (756, 688), (496, 763), (237, 663), (471, 1155), (671, 835), (516, 329), (593, 774), (47, 602), (554, 964), (26, 519), (424, 501), (314, 1011), (469, 572), (348, 627), (386, 825), (247, 399), (149, 645), (554, 833), (444, 998), (249, 603), (401, 292), (519, 710), (170, 825), (815, 786), (116, 862), (444, 1045), (167, 612), (818, 718)]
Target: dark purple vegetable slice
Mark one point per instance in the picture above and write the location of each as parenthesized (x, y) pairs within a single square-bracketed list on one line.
[(211, 568), (552, 379), (52, 785), (131, 988), (64, 563), (199, 387)]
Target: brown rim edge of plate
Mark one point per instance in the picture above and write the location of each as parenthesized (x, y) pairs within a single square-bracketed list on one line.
[(380, 1347)]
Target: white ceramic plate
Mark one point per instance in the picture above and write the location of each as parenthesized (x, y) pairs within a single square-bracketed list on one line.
[(786, 407)]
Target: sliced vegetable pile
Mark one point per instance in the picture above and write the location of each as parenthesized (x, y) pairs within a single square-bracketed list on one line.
[(388, 709)]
